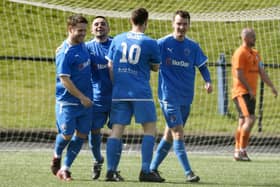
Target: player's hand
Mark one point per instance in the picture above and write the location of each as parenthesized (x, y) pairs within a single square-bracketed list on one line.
[(86, 102), (274, 91), (208, 87), (252, 96)]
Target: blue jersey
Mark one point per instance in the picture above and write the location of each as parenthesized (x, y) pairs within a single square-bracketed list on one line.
[(73, 61), (132, 55), (177, 70), (101, 82)]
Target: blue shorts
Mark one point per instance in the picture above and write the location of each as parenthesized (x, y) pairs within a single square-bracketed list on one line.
[(70, 118), (122, 111), (99, 119), (175, 114)]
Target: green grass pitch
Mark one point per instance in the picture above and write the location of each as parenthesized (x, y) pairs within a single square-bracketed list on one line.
[(32, 169)]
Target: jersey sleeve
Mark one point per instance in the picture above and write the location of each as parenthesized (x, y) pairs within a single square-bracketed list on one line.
[(239, 60), (201, 58), (109, 56), (160, 43), (63, 64), (155, 53)]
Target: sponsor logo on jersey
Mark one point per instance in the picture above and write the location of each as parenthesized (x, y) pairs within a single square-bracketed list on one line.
[(84, 65), (180, 63), (127, 70), (102, 66), (173, 62)]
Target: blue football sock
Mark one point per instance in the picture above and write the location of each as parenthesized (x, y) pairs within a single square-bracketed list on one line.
[(94, 141), (73, 150), (119, 153), (148, 143), (113, 153), (162, 150), (60, 144), (180, 151)]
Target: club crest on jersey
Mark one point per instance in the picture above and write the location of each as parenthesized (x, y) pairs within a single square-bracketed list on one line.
[(187, 51), (173, 118)]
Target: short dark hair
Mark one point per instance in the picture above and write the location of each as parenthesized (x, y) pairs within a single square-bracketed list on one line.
[(139, 16), (73, 20), (183, 14), (102, 17), (99, 17)]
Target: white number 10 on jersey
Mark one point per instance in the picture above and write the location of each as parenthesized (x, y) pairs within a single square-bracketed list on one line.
[(133, 53)]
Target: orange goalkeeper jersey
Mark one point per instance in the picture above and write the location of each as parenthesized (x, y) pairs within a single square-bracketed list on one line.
[(245, 59)]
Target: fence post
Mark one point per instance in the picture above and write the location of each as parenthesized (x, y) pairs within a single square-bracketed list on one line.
[(260, 107), (222, 85)]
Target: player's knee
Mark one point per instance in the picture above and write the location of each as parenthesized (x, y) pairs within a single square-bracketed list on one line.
[(81, 135), (66, 137), (178, 132), (251, 120)]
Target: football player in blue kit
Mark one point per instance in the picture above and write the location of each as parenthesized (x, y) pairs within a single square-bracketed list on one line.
[(132, 55), (73, 96), (180, 57), (102, 88)]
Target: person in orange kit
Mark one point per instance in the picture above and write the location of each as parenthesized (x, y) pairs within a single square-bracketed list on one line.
[(247, 65)]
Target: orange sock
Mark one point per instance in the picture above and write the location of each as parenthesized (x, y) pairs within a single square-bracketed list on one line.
[(237, 139), (244, 138)]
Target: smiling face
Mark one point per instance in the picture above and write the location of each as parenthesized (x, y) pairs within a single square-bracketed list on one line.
[(100, 28), (77, 33), (180, 26)]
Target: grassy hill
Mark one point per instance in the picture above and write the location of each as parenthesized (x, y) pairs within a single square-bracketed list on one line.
[(27, 87)]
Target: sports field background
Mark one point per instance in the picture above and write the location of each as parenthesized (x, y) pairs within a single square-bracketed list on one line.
[(27, 98), (30, 168)]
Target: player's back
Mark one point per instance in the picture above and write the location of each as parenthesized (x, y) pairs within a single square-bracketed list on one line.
[(132, 55)]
